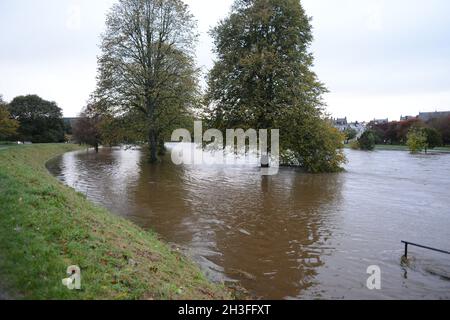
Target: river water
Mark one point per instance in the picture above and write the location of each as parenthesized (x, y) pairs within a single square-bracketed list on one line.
[(293, 235)]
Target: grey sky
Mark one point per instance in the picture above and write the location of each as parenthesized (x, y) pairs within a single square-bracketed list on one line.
[(378, 58)]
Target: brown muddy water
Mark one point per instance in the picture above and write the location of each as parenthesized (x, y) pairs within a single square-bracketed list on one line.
[(293, 235)]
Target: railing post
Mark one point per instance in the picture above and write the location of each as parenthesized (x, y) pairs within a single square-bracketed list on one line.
[(421, 246)]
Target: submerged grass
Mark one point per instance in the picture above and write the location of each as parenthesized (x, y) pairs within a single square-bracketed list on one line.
[(46, 227)]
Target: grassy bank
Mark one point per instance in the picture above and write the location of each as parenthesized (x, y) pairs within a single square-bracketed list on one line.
[(388, 147), (405, 148), (46, 227)]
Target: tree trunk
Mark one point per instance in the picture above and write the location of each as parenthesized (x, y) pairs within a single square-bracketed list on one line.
[(153, 145), (161, 148), (265, 163), (96, 147)]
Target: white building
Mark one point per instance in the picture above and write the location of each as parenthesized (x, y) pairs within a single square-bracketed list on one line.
[(380, 121), (342, 125)]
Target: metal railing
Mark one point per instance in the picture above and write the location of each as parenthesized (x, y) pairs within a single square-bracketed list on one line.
[(406, 243)]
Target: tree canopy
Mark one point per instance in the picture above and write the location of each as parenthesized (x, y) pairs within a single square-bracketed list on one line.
[(86, 129), (394, 132), (350, 134), (442, 125), (40, 120), (423, 138), (8, 126), (367, 141), (147, 75), (434, 138), (417, 140), (263, 79)]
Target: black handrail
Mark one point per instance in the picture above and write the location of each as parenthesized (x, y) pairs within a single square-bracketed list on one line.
[(421, 246)]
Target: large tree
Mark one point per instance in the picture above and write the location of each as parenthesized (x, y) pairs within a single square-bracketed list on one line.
[(40, 120), (434, 138), (422, 138), (263, 79), (350, 134), (8, 126), (146, 69), (86, 129), (443, 126)]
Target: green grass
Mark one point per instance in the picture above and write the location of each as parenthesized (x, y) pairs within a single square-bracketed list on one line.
[(405, 148), (46, 227), (7, 143), (388, 147)]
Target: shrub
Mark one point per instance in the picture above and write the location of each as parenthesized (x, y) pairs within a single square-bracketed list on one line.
[(367, 141), (417, 140), (354, 145)]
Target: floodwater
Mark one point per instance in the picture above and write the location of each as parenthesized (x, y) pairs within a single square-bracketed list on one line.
[(293, 235)]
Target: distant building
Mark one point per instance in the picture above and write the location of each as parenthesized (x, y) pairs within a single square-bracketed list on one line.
[(341, 121), (406, 118), (359, 127), (380, 121), (427, 116), (341, 124)]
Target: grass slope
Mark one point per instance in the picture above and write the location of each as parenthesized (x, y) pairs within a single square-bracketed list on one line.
[(46, 226)]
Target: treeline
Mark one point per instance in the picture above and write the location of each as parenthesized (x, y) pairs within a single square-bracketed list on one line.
[(418, 135), (31, 119), (148, 84), (262, 79), (396, 132)]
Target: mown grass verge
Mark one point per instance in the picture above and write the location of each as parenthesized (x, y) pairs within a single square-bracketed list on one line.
[(46, 227)]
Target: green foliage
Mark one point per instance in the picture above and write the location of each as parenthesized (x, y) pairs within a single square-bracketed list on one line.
[(68, 126), (263, 80), (8, 126), (417, 140), (129, 128), (394, 132), (350, 134), (434, 138), (354, 145), (442, 125), (147, 76), (86, 129), (422, 139), (313, 145), (40, 120), (367, 141)]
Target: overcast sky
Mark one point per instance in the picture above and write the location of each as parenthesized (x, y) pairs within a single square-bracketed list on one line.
[(378, 58)]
